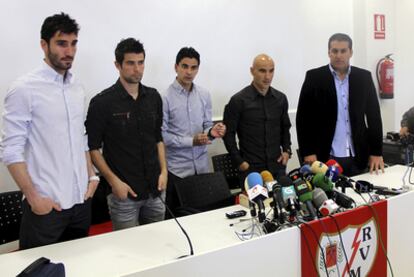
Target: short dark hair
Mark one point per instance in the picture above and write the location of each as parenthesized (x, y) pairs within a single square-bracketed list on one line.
[(340, 37), (58, 23), (187, 52), (128, 45)]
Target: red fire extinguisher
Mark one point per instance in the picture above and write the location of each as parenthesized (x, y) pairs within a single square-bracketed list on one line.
[(385, 77)]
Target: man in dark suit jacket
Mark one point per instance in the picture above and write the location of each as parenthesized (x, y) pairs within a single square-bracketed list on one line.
[(338, 114)]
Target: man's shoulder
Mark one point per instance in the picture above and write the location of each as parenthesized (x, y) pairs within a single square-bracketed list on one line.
[(359, 71), (319, 70), (27, 83), (277, 92), (149, 89), (107, 93), (151, 92), (243, 92)]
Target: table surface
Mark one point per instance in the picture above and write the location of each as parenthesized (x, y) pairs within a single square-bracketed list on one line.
[(147, 246)]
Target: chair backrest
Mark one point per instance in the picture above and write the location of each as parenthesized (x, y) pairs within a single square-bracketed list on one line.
[(204, 192), (223, 163), (10, 215)]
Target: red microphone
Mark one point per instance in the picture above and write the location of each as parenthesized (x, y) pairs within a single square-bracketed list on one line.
[(334, 163)]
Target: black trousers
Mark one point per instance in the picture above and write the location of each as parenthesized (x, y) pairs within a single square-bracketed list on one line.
[(37, 230)]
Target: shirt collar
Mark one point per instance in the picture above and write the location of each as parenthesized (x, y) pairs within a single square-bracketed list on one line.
[(50, 74), (336, 74), (255, 93), (124, 94), (178, 87)]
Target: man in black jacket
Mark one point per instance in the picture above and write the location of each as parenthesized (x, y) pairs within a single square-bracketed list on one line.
[(258, 114), (338, 113)]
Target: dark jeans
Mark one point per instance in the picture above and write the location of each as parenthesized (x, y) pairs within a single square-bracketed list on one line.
[(38, 230)]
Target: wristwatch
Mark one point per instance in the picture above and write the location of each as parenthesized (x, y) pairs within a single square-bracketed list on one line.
[(94, 178), (210, 137)]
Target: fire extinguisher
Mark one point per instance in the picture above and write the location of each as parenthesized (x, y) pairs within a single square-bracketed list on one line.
[(385, 77)]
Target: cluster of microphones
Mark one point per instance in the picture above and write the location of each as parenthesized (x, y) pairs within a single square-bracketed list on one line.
[(307, 193)]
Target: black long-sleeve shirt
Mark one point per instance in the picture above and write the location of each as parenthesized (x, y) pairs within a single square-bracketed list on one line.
[(262, 125), (128, 130)]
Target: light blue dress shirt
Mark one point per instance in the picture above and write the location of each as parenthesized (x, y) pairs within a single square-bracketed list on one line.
[(43, 126), (184, 115), (342, 145)]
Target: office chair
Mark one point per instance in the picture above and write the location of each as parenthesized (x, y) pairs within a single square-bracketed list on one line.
[(223, 163), (10, 215), (203, 192)]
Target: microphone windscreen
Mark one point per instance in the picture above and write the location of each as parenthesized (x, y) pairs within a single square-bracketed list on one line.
[(318, 197), (285, 181), (363, 186), (305, 169), (267, 176), (332, 173), (254, 179), (321, 181), (332, 162), (319, 167), (307, 196)]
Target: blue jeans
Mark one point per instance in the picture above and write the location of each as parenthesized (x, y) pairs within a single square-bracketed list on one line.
[(128, 213)]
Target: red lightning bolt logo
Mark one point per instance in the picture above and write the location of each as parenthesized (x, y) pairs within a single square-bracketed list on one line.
[(355, 247)]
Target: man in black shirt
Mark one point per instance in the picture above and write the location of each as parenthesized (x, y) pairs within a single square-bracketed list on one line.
[(126, 120), (258, 114)]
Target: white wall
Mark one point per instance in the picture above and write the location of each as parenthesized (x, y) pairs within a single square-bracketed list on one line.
[(228, 34)]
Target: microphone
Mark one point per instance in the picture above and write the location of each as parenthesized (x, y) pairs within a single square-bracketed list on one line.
[(322, 203), (305, 170), (321, 181), (318, 167), (332, 162), (305, 196), (278, 200), (256, 192), (288, 195), (272, 185), (334, 173), (301, 172), (364, 186), (268, 179)]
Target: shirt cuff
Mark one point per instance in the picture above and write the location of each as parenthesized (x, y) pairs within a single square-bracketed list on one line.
[(188, 141), (13, 158)]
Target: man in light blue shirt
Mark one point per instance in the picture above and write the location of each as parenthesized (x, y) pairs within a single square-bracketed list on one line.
[(187, 125), (44, 144)]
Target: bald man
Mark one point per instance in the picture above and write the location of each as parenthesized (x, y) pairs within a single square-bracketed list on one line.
[(258, 114)]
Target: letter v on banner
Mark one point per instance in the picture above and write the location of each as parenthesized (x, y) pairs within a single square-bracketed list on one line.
[(361, 253)]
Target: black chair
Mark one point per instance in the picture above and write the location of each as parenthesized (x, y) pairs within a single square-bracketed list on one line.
[(99, 209), (203, 192), (223, 163), (10, 215)]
